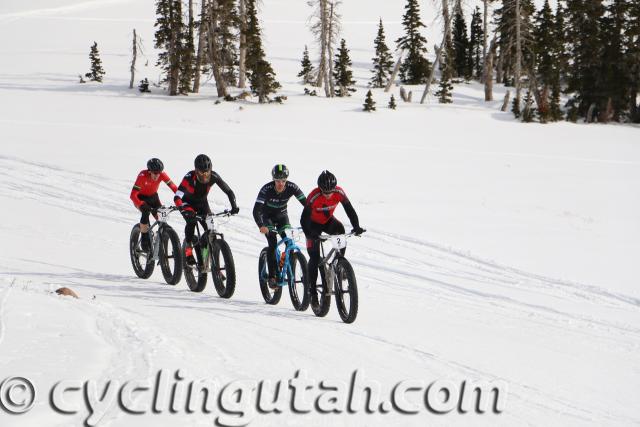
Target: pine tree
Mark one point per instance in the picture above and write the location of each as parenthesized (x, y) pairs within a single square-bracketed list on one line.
[(97, 72), (342, 72), (545, 44), (547, 54), (383, 61), (476, 43), (168, 39), (392, 103), (227, 31), (187, 59), (614, 79), (261, 76), (515, 108), (445, 87), (586, 52), (307, 68), (560, 33), (529, 112), (555, 112), (632, 35), (460, 45), (505, 19), (416, 67), (369, 103)]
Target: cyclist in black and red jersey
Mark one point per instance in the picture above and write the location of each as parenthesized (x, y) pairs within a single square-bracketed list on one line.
[(317, 217), (144, 195), (270, 211), (191, 199)]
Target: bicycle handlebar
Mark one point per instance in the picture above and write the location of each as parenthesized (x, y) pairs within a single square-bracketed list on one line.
[(325, 237)]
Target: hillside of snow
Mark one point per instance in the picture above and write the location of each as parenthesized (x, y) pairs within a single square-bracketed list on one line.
[(495, 251)]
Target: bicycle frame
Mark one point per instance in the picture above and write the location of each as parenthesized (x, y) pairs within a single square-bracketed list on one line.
[(212, 233), (290, 247), (160, 223), (328, 262)]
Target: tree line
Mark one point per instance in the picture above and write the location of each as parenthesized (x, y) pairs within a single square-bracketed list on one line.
[(579, 61)]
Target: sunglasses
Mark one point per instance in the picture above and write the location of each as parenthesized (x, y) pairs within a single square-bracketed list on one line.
[(280, 181), (203, 173)]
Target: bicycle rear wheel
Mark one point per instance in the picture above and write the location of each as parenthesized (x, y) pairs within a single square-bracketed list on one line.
[(297, 281), (223, 269), (346, 290), (196, 279), (270, 296), (140, 261), (320, 297), (170, 256)]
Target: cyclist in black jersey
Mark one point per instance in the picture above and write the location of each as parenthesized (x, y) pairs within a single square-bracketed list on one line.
[(270, 211)]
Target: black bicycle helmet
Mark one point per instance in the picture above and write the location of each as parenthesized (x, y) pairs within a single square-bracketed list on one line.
[(327, 181), (280, 171), (155, 165), (202, 163)]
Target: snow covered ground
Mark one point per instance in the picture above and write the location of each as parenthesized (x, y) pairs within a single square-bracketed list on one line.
[(496, 250)]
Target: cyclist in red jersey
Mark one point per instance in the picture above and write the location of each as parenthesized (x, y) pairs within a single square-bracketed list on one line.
[(144, 195), (317, 217)]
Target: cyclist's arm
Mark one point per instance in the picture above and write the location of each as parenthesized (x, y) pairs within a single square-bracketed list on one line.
[(135, 190), (184, 190), (165, 178), (351, 212), (257, 207), (305, 218), (215, 178), (300, 195)]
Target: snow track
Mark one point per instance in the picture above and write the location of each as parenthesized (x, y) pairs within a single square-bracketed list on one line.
[(403, 281)]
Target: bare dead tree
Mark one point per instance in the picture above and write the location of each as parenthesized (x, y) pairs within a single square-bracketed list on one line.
[(212, 26), (396, 69), (330, 42), (505, 103), (518, 69), (487, 72), (133, 61), (202, 30), (438, 50), (242, 67)]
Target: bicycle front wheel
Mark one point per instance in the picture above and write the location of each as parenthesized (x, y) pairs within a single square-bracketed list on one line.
[(141, 262), (223, 269), (297, 281), (170, 256), (270, 296), (346, 290)]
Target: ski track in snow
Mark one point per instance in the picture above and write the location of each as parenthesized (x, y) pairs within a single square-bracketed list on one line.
[(12, 16), (3, 301), (427, 271)]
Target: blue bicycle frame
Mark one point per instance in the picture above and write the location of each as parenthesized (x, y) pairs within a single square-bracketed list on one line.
[(290, 247)]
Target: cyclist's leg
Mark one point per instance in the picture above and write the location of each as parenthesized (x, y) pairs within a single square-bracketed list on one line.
[(272, 241), (313, 249), (280, 222), (154, 202), (201, 209)]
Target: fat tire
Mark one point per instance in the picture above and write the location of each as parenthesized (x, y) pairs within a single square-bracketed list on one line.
[(300, 304), (348, 312), (195, 283), (320, 304), (142, 271), (270, 296), (169, 236), (226, 287)]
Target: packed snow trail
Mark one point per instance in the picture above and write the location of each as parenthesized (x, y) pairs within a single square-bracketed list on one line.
[(425, 310)]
